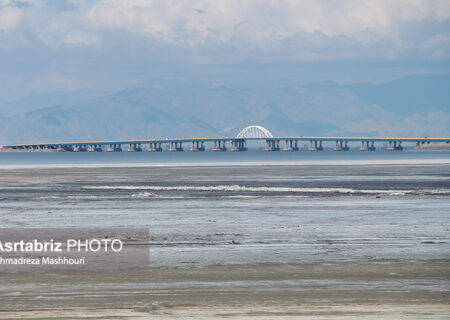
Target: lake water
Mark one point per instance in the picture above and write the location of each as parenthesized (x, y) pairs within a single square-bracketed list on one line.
[(64, 158)]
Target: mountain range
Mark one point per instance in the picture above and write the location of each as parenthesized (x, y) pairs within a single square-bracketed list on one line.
[(416, 105)]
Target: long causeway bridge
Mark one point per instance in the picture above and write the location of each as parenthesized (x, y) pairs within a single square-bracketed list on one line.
[(238, 143)]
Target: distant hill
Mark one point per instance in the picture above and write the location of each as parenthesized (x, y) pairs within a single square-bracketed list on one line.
[(415, 93), (37, 101), (416, 105)]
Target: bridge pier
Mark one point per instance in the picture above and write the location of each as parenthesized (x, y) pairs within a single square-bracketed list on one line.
[(176, 146), (272, 145), (394, 146), (341, 145), (363, 146), (291, 145), (367, 146), (312, 145), (79, 148), (338, 146), (238, 145), (95, 148), (114, 147), (288, 145), (135, 147), (389, 146), (198, 146), (219, 145), (315, 145), (154, 146)]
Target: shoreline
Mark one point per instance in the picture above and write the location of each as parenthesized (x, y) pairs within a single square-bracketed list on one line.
[(438, 161)]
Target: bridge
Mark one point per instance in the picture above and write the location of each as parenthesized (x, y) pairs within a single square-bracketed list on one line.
[(238, 143)]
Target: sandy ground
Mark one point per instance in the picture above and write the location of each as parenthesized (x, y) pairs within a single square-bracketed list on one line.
[(364, 290), (375, 312)]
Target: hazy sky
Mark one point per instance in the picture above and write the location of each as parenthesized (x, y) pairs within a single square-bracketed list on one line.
[(111, 44)]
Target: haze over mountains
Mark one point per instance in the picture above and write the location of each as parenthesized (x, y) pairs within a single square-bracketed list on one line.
[(417, 105)]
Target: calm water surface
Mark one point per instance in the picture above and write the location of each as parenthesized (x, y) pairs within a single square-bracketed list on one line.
[(30, 158)]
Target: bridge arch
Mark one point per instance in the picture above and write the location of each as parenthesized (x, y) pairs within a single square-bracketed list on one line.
[(254, 132)]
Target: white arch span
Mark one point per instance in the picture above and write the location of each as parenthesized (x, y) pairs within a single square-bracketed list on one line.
[(254, 132)]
